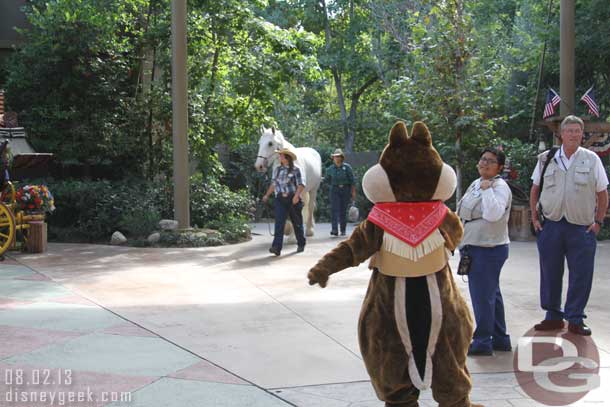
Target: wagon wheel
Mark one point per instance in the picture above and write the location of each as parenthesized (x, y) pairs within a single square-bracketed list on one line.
[(7, 193), (7, 228)]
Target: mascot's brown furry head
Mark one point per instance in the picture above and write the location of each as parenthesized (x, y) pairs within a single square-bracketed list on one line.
[(409, 170)]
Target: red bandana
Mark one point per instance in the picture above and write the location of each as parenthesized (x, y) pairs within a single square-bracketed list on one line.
[(411, 222)]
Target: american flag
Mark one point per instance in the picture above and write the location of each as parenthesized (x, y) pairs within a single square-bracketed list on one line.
[(552, 101), (589, 99)]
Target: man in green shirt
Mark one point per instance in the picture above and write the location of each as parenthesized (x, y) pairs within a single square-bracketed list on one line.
[(340, 176)]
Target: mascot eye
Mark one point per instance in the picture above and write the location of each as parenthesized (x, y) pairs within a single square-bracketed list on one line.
[(271, 144)]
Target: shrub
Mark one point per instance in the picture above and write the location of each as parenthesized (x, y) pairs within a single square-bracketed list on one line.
[(91, 211), (212, 202)]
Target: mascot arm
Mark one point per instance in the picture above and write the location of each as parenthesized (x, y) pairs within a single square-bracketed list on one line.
[(362, 244), (452, 230)]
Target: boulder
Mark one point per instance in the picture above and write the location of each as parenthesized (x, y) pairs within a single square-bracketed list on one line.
[(154, 238), (118, 238), (168, 224)]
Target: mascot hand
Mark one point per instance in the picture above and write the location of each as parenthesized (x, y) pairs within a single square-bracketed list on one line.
[(317, 275)]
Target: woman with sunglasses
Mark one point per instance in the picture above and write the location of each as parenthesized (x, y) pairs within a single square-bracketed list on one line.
[(484, 210)]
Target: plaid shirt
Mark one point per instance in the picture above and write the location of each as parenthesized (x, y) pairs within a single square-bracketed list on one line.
[(287, 182)]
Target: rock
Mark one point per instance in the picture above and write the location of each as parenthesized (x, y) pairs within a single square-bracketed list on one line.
[(154, 238), (118, 238), (168, 224), (210, 232)]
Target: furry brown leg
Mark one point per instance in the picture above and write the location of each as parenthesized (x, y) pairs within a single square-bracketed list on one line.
[(451, 383)]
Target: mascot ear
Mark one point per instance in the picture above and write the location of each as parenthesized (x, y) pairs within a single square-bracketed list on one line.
[(399, 134), (421, 134)]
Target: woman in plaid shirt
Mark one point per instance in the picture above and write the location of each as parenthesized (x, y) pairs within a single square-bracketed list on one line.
[(288, 184)]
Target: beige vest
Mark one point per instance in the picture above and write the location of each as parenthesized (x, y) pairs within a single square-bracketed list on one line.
[(478, 231), (398, 259), (570, 194)]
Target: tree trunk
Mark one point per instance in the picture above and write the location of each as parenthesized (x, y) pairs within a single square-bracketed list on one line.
[(149, 124), (458, 166), (341, 101), (336, 75), (208, 101), (353, 112), (460, 57)]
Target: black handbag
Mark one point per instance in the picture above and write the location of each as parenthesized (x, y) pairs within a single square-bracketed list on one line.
[(465, 260)]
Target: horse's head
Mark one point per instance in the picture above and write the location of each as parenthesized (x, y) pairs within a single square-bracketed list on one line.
[(271, 140)]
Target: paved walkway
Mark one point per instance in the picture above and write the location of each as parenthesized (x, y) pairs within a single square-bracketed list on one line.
[(225, 326)]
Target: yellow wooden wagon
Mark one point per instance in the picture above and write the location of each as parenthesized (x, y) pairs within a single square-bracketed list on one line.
[(13, 222)]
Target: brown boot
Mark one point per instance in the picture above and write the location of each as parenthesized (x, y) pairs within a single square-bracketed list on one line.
[(549, 325)]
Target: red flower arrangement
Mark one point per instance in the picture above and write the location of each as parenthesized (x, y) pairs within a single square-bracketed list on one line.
[(35, 198)]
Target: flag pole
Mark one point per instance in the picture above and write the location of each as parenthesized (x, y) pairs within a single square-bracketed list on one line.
[(540, 69)]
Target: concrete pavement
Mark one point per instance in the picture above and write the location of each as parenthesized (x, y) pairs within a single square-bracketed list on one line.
[(227, 326)]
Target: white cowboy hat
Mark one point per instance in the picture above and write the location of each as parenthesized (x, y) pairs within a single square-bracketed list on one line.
[(287, 152)]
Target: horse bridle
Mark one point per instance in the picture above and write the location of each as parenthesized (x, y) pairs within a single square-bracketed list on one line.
[(266, 159)]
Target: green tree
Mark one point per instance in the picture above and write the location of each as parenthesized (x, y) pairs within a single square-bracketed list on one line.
[(73, 83)]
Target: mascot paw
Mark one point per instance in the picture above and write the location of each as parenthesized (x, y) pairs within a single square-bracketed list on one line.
[(317, 276)]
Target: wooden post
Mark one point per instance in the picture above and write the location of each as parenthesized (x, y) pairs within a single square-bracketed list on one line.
[(180, 114), (566, 57), (37, 237), (519, 224)]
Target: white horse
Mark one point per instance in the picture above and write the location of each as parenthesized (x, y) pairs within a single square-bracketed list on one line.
[(308, 160)]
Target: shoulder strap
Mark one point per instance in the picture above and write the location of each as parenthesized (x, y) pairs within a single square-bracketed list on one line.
[(549, 157)]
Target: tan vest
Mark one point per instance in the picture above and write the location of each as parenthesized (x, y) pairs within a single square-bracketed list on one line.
[(570, 194), (398, 259), (478, 231)]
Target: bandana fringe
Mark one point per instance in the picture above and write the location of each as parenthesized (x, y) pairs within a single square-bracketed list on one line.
[(400, 248)]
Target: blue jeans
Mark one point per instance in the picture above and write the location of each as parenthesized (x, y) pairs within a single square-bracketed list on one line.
[(339, 199), (487, 303), (556, 242), (283, 208)]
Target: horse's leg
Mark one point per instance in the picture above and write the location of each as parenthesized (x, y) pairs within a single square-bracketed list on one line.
[(311, 207), (288, 229)]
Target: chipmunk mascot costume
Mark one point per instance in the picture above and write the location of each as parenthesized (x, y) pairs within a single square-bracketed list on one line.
[(414, 327)]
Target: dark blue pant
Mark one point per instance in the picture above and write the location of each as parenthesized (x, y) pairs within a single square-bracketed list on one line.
[(556, 242), (339, 199), (283, 208), (487, 303)]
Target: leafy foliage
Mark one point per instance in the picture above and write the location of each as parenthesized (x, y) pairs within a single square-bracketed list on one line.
[(91, 211), (93, 85)]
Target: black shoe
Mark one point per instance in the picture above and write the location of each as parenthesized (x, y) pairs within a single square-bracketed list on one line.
[(579, 329), (343, 233), (334, 234), (274, 250), (479, 352), (503, 348), (300, 249)]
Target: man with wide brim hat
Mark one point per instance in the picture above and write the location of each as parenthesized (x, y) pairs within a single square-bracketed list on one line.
[(287, 152), (340, 176)]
